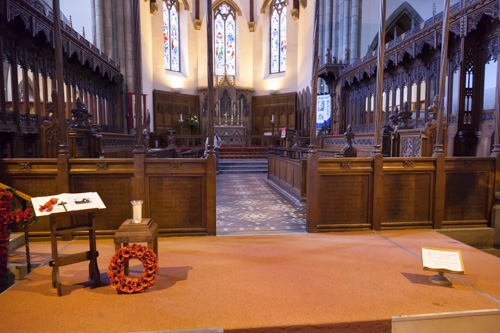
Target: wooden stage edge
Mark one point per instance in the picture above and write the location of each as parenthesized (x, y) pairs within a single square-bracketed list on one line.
[(362, 281)]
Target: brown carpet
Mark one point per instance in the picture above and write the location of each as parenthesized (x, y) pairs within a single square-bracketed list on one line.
[(338, 282)]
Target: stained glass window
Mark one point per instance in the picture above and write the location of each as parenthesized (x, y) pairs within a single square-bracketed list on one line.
[(225, 40), (171, 34), (278, 36)]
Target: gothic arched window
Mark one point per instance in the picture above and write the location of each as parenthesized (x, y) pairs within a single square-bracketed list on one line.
[(225, 40), (278, 36), (171, 34)]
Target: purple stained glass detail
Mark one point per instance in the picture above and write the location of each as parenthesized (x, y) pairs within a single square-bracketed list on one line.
[(283, 41), (225, 40), (219, 45), (174, 28), (166, 34), (275, 42), (230, 46), (278, 37)]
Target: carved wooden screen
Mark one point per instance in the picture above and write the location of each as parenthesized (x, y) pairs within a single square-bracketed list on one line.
[(168, 108), (281, 107)]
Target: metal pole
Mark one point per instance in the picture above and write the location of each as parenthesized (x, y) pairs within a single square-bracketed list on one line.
[(377, 148), (438, 148), (312, 145), (210, 72), (63, 147)]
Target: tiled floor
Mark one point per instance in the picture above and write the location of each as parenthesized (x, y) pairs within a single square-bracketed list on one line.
[(250, 204)]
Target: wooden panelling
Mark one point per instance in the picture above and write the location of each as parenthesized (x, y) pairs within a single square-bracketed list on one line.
[(281, 106), (168, 106), (176, 191), (289, 174)]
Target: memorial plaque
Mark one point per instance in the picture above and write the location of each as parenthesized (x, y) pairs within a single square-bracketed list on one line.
[(344, 199), (466, 196), (406, 197), (115, 192), (176, 202)]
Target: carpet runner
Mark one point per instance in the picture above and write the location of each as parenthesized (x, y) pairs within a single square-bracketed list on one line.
[(250, 204)]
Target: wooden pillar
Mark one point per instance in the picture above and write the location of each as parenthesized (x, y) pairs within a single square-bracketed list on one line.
[(211, 159), (438, 148), (15, 90), (69, 103), (36, 95), (137, 76), (45, 93), (26, 90), (496, 145), (73, 96), (313, 184), (439, 191), (380, 80), (2, 86), (101, 110)]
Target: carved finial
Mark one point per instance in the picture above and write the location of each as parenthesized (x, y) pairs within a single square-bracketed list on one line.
[(433, 9), (70, 22), (83, 32)]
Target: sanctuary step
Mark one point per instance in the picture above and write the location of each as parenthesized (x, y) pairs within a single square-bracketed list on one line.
[(243, 166), (243, 153)]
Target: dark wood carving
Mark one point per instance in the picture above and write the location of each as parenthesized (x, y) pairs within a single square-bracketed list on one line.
[(169, 106), (282, 106)]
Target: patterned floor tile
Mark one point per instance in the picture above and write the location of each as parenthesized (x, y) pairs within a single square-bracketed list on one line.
[(250, 204)]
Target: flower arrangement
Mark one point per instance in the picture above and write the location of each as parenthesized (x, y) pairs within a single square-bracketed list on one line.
[(125, 285), (192, 120), (9, 215)]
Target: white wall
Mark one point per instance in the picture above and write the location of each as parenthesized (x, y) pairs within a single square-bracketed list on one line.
[(252, 51)]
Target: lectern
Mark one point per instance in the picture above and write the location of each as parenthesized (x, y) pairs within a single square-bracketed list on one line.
[(69, 259)]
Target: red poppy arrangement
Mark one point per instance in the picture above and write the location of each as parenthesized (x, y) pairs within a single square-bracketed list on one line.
[(126, 285), (8, 216)]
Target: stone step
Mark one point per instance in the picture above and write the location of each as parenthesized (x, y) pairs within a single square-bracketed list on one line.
[(480, 238), (243, 166), (16, 241)]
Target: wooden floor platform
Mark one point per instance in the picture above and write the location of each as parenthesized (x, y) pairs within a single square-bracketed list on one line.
[(334, 282)]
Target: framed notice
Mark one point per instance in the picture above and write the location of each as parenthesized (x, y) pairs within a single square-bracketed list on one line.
[(442, 260)]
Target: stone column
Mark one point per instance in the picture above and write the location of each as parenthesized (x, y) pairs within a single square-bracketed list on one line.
[(322, 29), (129, 48), (336, 26), (354, 32), (108, 29), (340, 32), (99, 14), (328, 27), (120, 36), (345, 31)]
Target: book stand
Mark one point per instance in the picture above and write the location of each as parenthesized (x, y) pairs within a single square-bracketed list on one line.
[(440, 280), (90, 255)]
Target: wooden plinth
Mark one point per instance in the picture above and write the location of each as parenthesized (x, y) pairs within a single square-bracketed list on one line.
[(90, 255), (144, 232)]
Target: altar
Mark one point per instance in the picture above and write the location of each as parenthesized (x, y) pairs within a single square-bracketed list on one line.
[(231, 134)]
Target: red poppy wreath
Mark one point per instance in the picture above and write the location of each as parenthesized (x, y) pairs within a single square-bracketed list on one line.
[(126, 285)]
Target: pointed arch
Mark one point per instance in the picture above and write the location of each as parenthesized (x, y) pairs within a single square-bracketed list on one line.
[(401, 19)]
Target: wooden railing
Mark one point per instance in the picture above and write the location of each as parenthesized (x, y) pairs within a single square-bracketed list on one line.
[(178, 194), (378, 193)]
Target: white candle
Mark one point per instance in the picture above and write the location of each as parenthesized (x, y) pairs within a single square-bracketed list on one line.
[(181, 117), (272, 119)]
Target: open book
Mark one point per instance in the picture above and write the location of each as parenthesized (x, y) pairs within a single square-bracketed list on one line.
[(442, 260), (66, 202)]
